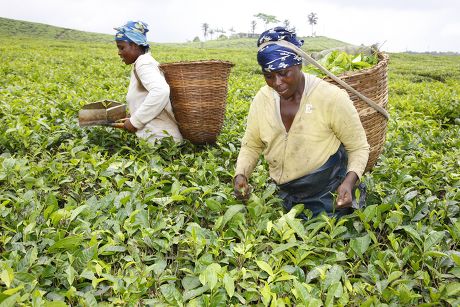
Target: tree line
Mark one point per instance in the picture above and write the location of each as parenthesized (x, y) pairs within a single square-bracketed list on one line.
[(266, 19)]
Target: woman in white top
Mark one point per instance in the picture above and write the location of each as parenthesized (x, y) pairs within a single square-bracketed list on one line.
[(148, 93)]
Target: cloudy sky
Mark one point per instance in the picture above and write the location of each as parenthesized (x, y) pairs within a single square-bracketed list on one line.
[(400, 25)]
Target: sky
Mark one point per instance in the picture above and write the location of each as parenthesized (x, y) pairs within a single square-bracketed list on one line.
[(396, 25)]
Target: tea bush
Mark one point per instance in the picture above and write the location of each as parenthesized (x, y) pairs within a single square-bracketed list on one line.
[(95, 216)]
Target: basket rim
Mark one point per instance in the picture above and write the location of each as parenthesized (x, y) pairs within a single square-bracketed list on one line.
[(199, 62), (383, 61)]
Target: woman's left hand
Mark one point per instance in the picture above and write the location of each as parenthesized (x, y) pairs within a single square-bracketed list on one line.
[(129, 126), (344, 191)]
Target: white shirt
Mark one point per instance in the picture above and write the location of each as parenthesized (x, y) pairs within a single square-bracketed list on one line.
[(148, 101)]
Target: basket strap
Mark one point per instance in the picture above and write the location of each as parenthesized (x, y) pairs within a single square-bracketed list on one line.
[(331, 75)]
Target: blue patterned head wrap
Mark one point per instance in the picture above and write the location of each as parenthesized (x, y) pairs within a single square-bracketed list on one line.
[(133, 31), (274, 57)]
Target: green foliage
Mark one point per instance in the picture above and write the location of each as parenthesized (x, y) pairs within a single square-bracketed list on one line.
[(26, 29), (339, 62), (95, 215), (311, 44)]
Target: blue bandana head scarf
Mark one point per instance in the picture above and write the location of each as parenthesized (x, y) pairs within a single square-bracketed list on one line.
[(133, 31), (274, 57)]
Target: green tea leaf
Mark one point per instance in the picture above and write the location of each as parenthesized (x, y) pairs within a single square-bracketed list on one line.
[(229, 284), (231, 211), (393, 276), (11, 291), (11, 300), (433, 238), (159, 267), (209, 276), (412, 232), (265, 266), (213, 204), (67, 244), (77, 211), (453, 289), (62, 304), (90, 299), (333, 275), (171, 294), (70, 274), (190, 294), (282, 247), (410, 195), (219, 299), (82, 257), (7, 275), (360, 245)]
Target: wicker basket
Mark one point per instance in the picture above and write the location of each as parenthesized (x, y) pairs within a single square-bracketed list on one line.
[(198, 97), (372, 83)]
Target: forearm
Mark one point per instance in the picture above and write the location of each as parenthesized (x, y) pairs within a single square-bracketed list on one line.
[(153, 105), (351, 134), (357, 159), (351, 179), (149, 76), (247, 161)]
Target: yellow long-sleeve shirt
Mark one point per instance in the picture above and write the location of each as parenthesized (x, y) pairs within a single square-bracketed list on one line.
[(325, 119)]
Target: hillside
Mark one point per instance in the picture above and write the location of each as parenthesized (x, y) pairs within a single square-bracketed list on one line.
[(310, 43), (19, 28)]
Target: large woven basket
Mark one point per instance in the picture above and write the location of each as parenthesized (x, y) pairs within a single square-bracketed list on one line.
[(198, 97), (372, 83)]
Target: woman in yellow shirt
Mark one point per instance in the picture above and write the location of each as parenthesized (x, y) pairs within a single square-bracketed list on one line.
[(307, 129)]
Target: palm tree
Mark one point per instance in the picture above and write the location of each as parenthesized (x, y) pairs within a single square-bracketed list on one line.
[(232, 31), (211, 32), (221, 31), (312, 20), (287, 24), (253, 26), (205, 27)]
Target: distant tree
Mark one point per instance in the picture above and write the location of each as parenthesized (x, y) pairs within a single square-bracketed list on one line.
[(205, 27), (222, 37), (211, 32), (312, 20), (221, 30), (196, 39), (232, 31), (253, 26), (287, 24), (267, 19)]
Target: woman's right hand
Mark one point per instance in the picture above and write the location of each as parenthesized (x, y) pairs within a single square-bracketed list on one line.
[(241, 187), (129, 126)]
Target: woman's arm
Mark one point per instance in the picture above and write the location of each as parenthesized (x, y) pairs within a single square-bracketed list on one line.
[(158, 94), (347, 127), (349, 130), (251, 144), (251, 148)]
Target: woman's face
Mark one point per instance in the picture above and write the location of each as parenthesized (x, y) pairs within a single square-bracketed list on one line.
[(129, 52), (285, 81)]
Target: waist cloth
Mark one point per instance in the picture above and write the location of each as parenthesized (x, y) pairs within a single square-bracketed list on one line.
[(315, 190)]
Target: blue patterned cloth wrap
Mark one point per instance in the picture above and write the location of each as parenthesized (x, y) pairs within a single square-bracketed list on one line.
[(315, 190), (133, 31), (274, 57)]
